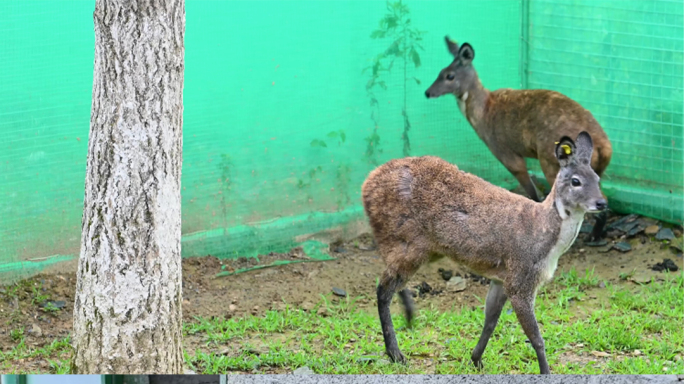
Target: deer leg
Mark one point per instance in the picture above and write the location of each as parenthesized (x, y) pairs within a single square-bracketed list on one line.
[(518, 168), (386, 289), (409, 308), (523, 305), (599, 225), (496, 298)]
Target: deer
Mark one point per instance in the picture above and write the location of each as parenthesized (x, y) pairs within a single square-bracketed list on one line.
[(519, 124), (422, 209)]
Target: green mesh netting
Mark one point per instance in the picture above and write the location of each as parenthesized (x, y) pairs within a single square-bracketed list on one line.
[(280, 131)]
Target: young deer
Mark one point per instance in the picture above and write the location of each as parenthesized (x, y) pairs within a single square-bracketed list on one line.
[(519, 124), (423, 208)]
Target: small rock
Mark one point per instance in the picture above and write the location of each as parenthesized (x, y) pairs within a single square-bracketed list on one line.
[(339, 292), (307, 306), (582, 250), (635, 231), (366, 359), (456, 284), (338, 249), (446, 275), (624, 220), (640, 278), (600, 354), (586, 228), (636, 352), (255, 310), (665, 234), (622, 246), (599, 243), (303, 371), (666, 265), (232, 307), (601, 284), (322, 311), (186, 302), (36, 331), (187, 371), (651, 230), (626, 227)]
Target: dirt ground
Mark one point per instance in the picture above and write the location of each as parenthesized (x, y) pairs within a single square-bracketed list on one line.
[(354, 270)]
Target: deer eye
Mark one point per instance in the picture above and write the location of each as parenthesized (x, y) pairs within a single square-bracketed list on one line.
[(450, 76), (575, 182)]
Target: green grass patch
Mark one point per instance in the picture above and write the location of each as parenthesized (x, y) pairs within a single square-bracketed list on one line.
[(620, 329)]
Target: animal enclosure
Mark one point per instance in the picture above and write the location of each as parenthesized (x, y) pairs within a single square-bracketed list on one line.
[(289, 105)]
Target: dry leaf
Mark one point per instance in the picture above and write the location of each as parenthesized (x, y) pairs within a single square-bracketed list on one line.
[(600, 354)]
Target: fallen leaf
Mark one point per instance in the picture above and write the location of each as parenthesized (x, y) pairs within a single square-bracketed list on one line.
[(600, 354)]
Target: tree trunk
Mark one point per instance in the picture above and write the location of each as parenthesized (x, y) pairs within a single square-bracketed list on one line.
[(127, 314)]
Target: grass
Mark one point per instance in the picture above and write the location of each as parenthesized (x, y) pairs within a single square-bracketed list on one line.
[(56, 354), (619, 329)]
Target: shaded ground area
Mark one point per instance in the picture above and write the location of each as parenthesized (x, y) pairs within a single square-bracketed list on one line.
[(36, 314)]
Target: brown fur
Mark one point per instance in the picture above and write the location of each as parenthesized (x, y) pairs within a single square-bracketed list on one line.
[(450, 212), (519, 124), (423, 208)]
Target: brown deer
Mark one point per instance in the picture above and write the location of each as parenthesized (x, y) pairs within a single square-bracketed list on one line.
[(519, 124), (423, 208)]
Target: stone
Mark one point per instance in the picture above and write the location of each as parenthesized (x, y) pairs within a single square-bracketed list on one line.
[(456, 284), (599, 243), (635, 231), (303, 371), (601, 284), (586, 228), (651, 230), (665, 234), (36, 331), (339, 292), (307, 306), (622, 246)]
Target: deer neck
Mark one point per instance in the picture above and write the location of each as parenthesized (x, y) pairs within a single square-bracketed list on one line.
[(568, 221), (472, 103)]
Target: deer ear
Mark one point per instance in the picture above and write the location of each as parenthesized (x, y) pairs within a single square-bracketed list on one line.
[(466, 53), (452, 46), (565, 151), (585, 147)]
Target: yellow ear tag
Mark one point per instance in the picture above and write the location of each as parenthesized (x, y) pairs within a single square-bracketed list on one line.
[(567, 149)]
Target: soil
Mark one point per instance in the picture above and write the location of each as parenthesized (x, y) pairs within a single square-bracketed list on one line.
[(353, 272)]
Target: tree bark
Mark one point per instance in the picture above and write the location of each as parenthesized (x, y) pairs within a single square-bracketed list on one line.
[(127, 313)]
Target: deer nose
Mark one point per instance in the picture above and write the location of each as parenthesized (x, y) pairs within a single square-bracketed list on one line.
[(601, 204), (427, 94)]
